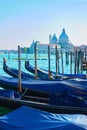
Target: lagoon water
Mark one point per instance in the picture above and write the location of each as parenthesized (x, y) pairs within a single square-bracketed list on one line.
[(42, 62)]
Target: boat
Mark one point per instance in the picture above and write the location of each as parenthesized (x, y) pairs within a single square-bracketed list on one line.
[(26, 118), (44, 73), (14, 72), (64, 104), (82, 76), (46, 86)]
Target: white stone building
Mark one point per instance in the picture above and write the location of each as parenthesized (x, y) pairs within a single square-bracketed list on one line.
[(62, 41)]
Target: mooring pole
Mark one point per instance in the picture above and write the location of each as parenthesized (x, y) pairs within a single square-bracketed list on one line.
[(19, 71), (85, 54), (81, 62), (62, 61), (86, 61), (75, 62), (49, 70), (67, 57), (8, 55), (35, 52), (71, 62), (56, 61)]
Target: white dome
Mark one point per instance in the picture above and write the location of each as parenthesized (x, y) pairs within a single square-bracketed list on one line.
[(54, 38), (63, 37)]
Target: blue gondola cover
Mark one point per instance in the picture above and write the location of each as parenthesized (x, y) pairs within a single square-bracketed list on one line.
[(25, 118)]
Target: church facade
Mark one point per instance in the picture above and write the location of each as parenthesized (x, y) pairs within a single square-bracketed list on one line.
[(62, 41)]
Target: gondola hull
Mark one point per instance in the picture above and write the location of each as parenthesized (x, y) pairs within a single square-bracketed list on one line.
[(14, 72), (44, 86), (14, 103), (44, 73)]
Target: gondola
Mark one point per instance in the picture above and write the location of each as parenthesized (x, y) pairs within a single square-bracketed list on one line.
[(43, 72), (14, 72), (45, 86), (67, 104)]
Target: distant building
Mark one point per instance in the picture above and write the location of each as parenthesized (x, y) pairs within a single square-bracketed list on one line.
[(31, 49), (24, 50), (53, 39), (62, 41), (82, 47), (42, 48)]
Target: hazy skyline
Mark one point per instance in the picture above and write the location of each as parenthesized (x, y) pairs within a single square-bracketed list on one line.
[(21, 21)]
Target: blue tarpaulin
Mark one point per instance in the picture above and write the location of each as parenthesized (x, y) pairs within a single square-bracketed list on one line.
[(25, 118)]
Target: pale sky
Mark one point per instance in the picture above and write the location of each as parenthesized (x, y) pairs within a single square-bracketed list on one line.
[(21, 21)]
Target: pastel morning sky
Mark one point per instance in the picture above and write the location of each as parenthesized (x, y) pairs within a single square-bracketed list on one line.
[(21, 21)]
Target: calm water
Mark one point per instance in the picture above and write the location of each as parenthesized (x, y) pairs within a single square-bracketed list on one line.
[(41, 62)]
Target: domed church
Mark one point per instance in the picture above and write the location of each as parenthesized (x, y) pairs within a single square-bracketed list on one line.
[(63, 40)]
